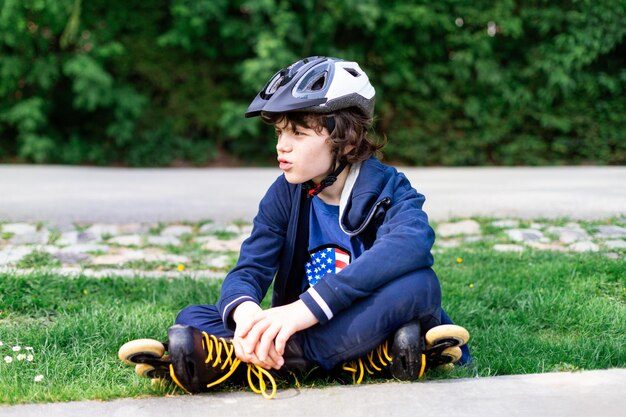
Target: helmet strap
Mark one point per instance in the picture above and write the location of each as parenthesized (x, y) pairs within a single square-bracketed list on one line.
[(329, 123), (313, 189)]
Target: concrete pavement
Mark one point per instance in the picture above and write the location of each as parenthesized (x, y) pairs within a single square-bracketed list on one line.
[(94, 195), (592, 393), (78, 194)]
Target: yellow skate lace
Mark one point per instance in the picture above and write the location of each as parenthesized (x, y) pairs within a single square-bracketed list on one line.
[(214, 347), (373, 362), (261, 374)]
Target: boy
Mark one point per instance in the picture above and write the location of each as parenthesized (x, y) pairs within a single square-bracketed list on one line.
[(342, 237)]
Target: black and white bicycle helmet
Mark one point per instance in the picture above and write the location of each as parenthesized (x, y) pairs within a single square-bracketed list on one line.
[(318, 85)]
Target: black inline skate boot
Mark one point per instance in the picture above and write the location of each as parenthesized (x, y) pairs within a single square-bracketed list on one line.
[(407, 358), (399, 357), (408, 354), (198, 360), (195, 361), (295, 361)]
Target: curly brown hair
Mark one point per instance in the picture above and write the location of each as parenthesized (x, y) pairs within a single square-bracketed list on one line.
[(351, 128)]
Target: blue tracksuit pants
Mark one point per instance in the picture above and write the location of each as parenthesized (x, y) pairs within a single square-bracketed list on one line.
[(359, 329)]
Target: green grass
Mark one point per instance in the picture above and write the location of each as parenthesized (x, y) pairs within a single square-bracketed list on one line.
[(538, 311), (529, 312), (38, 259), (76, 326)]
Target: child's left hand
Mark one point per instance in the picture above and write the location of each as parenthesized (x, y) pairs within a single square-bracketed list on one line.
[(275, 326)]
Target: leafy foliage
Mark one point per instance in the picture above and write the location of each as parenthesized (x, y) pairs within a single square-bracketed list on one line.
[(166, 82)]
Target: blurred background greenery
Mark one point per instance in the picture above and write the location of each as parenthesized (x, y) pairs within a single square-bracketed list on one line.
[(166, 82)]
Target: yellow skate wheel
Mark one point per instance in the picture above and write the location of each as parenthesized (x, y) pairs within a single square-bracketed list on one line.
[(132, 351), (451, 355), (144, 370), (445, 332)]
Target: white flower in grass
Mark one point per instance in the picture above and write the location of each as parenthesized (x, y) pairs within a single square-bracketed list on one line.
[(28, 348), (39, 378), (1, 343), (30, 358), (21, 356), (8, 359), (17, 348)]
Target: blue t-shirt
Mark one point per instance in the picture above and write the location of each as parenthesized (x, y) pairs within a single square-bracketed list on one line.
[(328, 244)]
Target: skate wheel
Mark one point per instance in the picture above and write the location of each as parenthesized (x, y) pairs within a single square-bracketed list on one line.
[(144, 370), (136, 351), (451, 355), (447, 332), (148, 371)]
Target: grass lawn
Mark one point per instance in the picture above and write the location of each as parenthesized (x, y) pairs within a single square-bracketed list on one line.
[(535, 311)]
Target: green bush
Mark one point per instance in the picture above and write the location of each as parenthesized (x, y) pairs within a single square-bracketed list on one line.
[(167, 82)]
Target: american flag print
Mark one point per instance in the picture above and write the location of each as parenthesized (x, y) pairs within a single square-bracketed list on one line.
[(328, 260)]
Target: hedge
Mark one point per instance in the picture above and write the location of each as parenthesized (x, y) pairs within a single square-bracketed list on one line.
[(162, 83)]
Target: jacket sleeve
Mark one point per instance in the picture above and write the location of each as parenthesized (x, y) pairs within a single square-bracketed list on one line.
[(258, 260), (403, 244)]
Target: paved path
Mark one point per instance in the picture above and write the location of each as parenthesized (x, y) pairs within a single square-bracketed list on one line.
[(76, 194), (114, 195), (593, 393)]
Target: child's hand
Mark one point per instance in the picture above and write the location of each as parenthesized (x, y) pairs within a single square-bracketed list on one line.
[(246, 315), (278, 325), (261, 336)]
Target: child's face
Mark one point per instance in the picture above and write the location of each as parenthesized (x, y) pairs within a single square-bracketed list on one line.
[(303, 154)]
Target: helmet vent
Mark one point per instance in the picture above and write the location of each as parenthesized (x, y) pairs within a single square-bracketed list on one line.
[(352, 72), (319, 83)]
